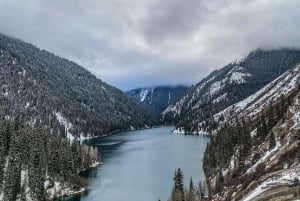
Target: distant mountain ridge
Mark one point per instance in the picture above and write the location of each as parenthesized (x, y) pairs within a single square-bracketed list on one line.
[(159, 97), (194, 112), (62, 95)]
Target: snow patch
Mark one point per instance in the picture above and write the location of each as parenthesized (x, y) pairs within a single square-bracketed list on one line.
[(61, 189), (220, 98), (253, 133), (143, 94), (5, 94), (238, 77), (68, 125), (27, 105), (215, 87), (281, 177), (102, 87), (266, 155)]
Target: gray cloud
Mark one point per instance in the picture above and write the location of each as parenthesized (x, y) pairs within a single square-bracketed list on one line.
[(172, 19), (151, 42)]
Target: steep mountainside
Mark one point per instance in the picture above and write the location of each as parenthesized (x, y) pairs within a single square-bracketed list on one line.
[(159, 97), (62, 95), (255, 153), (194, 112), (255, 104)]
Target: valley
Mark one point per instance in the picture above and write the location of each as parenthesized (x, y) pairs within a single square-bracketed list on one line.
[(236, 131)]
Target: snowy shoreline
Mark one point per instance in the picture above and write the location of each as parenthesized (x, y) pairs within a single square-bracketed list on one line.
[(181, 131), (66, 192)]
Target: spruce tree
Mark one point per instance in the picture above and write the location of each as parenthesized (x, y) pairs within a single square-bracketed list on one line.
[(272, 140), (178, 190), (191, 195), (2, 154)]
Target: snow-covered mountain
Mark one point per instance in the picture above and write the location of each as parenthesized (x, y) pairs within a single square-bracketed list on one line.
[(60, 94), (256, 152), (159, 97), (256, 103), (194, 112)]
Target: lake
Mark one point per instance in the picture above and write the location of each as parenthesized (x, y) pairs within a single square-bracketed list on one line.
[(140, 165)]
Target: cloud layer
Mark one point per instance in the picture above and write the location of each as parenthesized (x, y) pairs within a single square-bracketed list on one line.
[(151, 42)]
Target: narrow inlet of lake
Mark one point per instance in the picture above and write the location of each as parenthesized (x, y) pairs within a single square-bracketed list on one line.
[(140, 165)]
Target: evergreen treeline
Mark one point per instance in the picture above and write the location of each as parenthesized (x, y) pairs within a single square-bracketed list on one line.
[(32, 159), (46, 87), (235, 141), (194, 112), (179, 193)]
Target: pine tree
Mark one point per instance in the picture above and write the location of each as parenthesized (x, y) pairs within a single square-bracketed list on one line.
[(2, 154), (219, 181), (178, 190), (272, 140), (191, 194)]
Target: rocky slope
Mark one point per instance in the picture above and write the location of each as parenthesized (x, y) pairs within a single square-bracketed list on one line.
[(194, 112), (159, 97), (255, 153)]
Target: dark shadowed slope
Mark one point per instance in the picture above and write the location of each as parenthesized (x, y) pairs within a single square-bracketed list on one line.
[(58, 93)]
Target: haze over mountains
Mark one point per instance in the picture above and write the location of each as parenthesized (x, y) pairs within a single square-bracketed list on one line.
[(250, 106), (159, 97)]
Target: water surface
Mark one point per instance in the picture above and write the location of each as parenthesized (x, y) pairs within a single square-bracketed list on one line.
[(140, 165)]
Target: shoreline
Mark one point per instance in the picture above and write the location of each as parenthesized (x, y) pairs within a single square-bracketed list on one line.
[(78, 192), (99, 163), (81, 139)]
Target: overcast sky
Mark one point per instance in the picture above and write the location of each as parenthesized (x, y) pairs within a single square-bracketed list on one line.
[(135, 43)]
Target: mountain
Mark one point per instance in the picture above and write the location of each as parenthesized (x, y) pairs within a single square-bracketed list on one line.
[(159, 97), (60, 94), (254, 154), (194, 112), (46, 104)]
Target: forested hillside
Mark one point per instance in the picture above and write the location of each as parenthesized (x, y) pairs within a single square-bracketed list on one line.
[(256, 149), (36, 164), (45, 102), (159, 97), (194, 113), (61, 95)]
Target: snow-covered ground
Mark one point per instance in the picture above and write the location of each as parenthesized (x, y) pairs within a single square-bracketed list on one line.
[(265, 156), (143, 94), (68, 125), (59, 189), (255, 103), (281, 178), (63, 189)]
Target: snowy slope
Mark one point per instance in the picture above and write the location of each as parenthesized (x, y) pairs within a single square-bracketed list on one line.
[(159, 97), (195, 111), (279, 168), (254, 104), (267, 169), (51, 90)]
